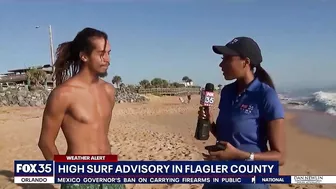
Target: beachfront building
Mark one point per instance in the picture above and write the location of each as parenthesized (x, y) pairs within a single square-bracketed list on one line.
[(19, 77)]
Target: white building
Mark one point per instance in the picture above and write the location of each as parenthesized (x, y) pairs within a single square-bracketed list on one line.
[(191, 83)]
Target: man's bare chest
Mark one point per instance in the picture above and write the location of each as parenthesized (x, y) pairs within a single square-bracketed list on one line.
[(92, 110)]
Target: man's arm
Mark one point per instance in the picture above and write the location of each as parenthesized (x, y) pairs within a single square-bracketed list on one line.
[(110, 90), (53, 114)]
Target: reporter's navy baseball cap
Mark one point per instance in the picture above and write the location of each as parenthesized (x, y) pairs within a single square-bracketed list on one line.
[(241, 46)]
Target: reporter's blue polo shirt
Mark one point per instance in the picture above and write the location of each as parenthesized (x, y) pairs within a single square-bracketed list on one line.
[(242, 118)]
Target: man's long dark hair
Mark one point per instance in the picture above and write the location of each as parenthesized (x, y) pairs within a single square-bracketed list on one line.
[(68, 62), (263, 76)]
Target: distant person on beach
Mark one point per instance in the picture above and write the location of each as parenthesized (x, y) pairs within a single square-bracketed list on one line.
[(82, 103), (250, 111), (189, 97)]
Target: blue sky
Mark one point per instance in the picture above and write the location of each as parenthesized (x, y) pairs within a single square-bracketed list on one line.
[(173, 38)]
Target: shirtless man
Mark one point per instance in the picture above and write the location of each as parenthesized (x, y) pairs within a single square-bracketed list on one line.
[(82, 103)]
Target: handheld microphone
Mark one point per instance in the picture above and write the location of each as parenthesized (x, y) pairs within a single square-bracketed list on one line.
[(203, 124)]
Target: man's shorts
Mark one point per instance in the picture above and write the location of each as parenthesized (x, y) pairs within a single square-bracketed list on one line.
[(93, 186)]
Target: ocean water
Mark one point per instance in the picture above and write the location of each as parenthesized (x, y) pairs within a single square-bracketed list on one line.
[(314, 100)]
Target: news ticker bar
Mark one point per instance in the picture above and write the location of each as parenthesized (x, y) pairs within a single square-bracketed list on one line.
[(107, 169), (122, 168), (80, 179)]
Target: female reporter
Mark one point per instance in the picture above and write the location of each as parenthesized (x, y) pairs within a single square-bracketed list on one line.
[(250, 111)]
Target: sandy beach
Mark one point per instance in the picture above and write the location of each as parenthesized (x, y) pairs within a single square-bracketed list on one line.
[(161, 129)]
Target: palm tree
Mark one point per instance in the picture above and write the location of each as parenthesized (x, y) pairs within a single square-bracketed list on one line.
[(116, 80), (185, 79), (164, 83), (156, 82), (176, 84), (144, 83), (36, 77)]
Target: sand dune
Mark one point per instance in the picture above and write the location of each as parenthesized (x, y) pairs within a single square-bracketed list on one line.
[(159, 130)]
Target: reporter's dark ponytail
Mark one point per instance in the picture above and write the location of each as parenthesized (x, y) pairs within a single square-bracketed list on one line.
[(263, 76)]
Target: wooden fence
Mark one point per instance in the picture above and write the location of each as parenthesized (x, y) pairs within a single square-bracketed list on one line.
[(170, 91)]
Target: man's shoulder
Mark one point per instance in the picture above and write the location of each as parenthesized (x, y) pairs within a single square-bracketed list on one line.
[(67, 87), (59, 97), (108, 87), (61, 92)]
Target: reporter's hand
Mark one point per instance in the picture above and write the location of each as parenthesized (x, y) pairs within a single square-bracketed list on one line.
[(230, 153)]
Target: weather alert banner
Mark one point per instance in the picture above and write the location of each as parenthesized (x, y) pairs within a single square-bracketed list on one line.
[(107, 169)]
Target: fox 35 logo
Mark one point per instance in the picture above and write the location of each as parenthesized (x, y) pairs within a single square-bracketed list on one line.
[(207, 98), (33, 168)]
